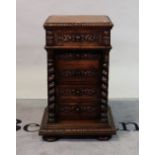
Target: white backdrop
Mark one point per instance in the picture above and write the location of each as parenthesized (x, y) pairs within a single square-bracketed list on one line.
[(31, 56)]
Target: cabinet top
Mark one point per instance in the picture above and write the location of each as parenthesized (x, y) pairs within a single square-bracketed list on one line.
[(81, 20)]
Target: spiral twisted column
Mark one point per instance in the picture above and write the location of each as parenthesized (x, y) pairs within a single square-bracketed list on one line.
[(104, 86), (51, 90)]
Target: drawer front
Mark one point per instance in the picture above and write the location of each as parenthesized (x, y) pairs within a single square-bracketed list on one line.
[(78, 71), (78, 37), (77, 93), (81, 64), (78, 76), (78, 111)]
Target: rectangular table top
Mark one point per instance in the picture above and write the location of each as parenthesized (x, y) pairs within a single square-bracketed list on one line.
[(78, 20)]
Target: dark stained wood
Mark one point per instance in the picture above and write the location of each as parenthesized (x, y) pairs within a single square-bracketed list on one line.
[(78, 68)]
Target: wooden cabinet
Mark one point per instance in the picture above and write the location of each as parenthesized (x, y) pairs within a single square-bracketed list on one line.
[(78, 67)]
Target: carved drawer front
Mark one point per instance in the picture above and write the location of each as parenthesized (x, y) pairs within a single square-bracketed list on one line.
[(78, 76), (76, 110), (77, 92), (78, 67), (75, 37)]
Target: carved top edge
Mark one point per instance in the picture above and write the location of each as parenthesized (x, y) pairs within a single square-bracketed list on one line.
[(83, 20)]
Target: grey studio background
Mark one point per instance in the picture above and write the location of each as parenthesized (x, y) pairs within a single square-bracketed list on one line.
[(31, 56)]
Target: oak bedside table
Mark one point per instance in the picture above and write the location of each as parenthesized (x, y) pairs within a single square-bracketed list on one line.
[(78, 66)]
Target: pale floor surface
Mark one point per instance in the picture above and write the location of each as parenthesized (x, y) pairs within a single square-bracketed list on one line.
[(124, 143)]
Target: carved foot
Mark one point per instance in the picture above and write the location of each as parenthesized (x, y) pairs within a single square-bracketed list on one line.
[(104, 138), (50, 138)]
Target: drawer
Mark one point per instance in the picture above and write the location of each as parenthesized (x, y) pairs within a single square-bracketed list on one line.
[(77, 64), (79, 76), (77, 93), (75, 37), (78, 111)]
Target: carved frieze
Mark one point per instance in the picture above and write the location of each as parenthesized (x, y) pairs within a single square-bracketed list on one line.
[(61, 37), (77, 37)]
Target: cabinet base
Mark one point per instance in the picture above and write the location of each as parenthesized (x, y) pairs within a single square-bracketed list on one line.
[(77, 128)]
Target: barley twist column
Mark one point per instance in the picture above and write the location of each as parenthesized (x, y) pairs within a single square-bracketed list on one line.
[(104, 86), (51, 89)]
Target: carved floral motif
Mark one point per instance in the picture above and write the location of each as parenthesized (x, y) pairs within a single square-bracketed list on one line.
[(78, 108), (78, 73), (77, 92), (77, 37), (67, 36)]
